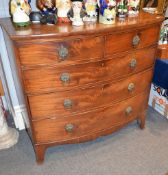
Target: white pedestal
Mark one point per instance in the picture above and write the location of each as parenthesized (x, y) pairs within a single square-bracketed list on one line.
[(8, 136)]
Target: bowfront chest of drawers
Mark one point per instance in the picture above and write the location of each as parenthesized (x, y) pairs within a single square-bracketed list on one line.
[(84, 82)]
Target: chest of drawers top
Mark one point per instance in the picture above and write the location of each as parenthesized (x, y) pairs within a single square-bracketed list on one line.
[(37, 31)]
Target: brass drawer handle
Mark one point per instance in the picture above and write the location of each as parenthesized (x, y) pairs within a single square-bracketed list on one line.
[(65, 77), (67, 103), (128, 111), (136, 40), (69, 127), (133, 63), (131, 87), (63, 52)]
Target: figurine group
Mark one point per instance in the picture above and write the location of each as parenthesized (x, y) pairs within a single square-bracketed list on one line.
[(75, 11), (164, 33)]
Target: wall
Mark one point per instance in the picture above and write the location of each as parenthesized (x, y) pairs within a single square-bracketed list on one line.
[(13, 94), (4, 7)]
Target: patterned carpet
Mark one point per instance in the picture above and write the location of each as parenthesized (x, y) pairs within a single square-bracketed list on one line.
[(130, 151)]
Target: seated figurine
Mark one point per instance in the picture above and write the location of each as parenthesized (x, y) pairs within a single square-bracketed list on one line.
[(91, 13), (20, 10), (76, 13), (133, 7), (122, 9), (107, 11), (63, 7), (48, 10)]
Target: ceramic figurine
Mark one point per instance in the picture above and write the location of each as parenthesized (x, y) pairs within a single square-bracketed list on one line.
[(20, 10), (122, 9), (164, 36), (48, 10), (107, 11), (46, 6), (164, 33), (63, 7), (76, 13), (133, 7), (90, 8), (8, 136)]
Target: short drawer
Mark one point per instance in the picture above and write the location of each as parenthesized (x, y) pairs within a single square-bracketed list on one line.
[(132, 40), (63, 129), (67, 77), (71, 102), (63, 52)]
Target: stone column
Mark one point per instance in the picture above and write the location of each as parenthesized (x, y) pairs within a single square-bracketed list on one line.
[(8, 136)]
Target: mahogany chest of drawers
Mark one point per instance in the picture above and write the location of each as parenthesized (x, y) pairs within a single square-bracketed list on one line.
[(84, 82)]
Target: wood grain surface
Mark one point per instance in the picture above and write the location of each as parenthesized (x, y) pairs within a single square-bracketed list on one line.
[(1, 89), (50, 130), (47, 53), (123, 41), (86, 74), (97, 60), (39, 32), (52, 104)]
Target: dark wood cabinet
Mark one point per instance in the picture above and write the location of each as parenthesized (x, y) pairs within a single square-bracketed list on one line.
[(84, 82)]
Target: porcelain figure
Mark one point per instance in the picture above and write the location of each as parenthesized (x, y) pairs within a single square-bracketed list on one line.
[(8, 136), (48, 10), (107, 12), (77, 13), (122, 9), (133, 7), (63, 7), (20, 10), (90, 8)]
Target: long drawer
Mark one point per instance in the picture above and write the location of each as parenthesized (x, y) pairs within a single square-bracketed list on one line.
[(61, 78), (128, 41), (61, 52), (71, 102), (53, 130)]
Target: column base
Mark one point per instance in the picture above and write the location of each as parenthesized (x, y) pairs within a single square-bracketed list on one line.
[(9, 139)]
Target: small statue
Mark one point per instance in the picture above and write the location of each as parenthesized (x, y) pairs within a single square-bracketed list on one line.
[(48, 10), (133, 7), (46, 6), (63, 7), (122, 9), (163, 35), (76, 13), (107, 11), (20, 10), (8, 136), (90, 8)]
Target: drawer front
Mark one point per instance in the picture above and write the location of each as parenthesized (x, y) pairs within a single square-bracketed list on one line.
[(65, 52), (132, 40), (71, 102), (66, 77), (50, 130)]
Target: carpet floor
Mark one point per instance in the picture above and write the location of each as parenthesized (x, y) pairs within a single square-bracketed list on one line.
[(130, 151)]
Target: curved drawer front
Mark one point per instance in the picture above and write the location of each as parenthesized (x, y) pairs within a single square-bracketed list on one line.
[(64, 52), (67, 77), (50, 130), (70, 102), (131, 40)]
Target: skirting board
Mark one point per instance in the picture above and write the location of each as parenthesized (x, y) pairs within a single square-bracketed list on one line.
[(20, 117)]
